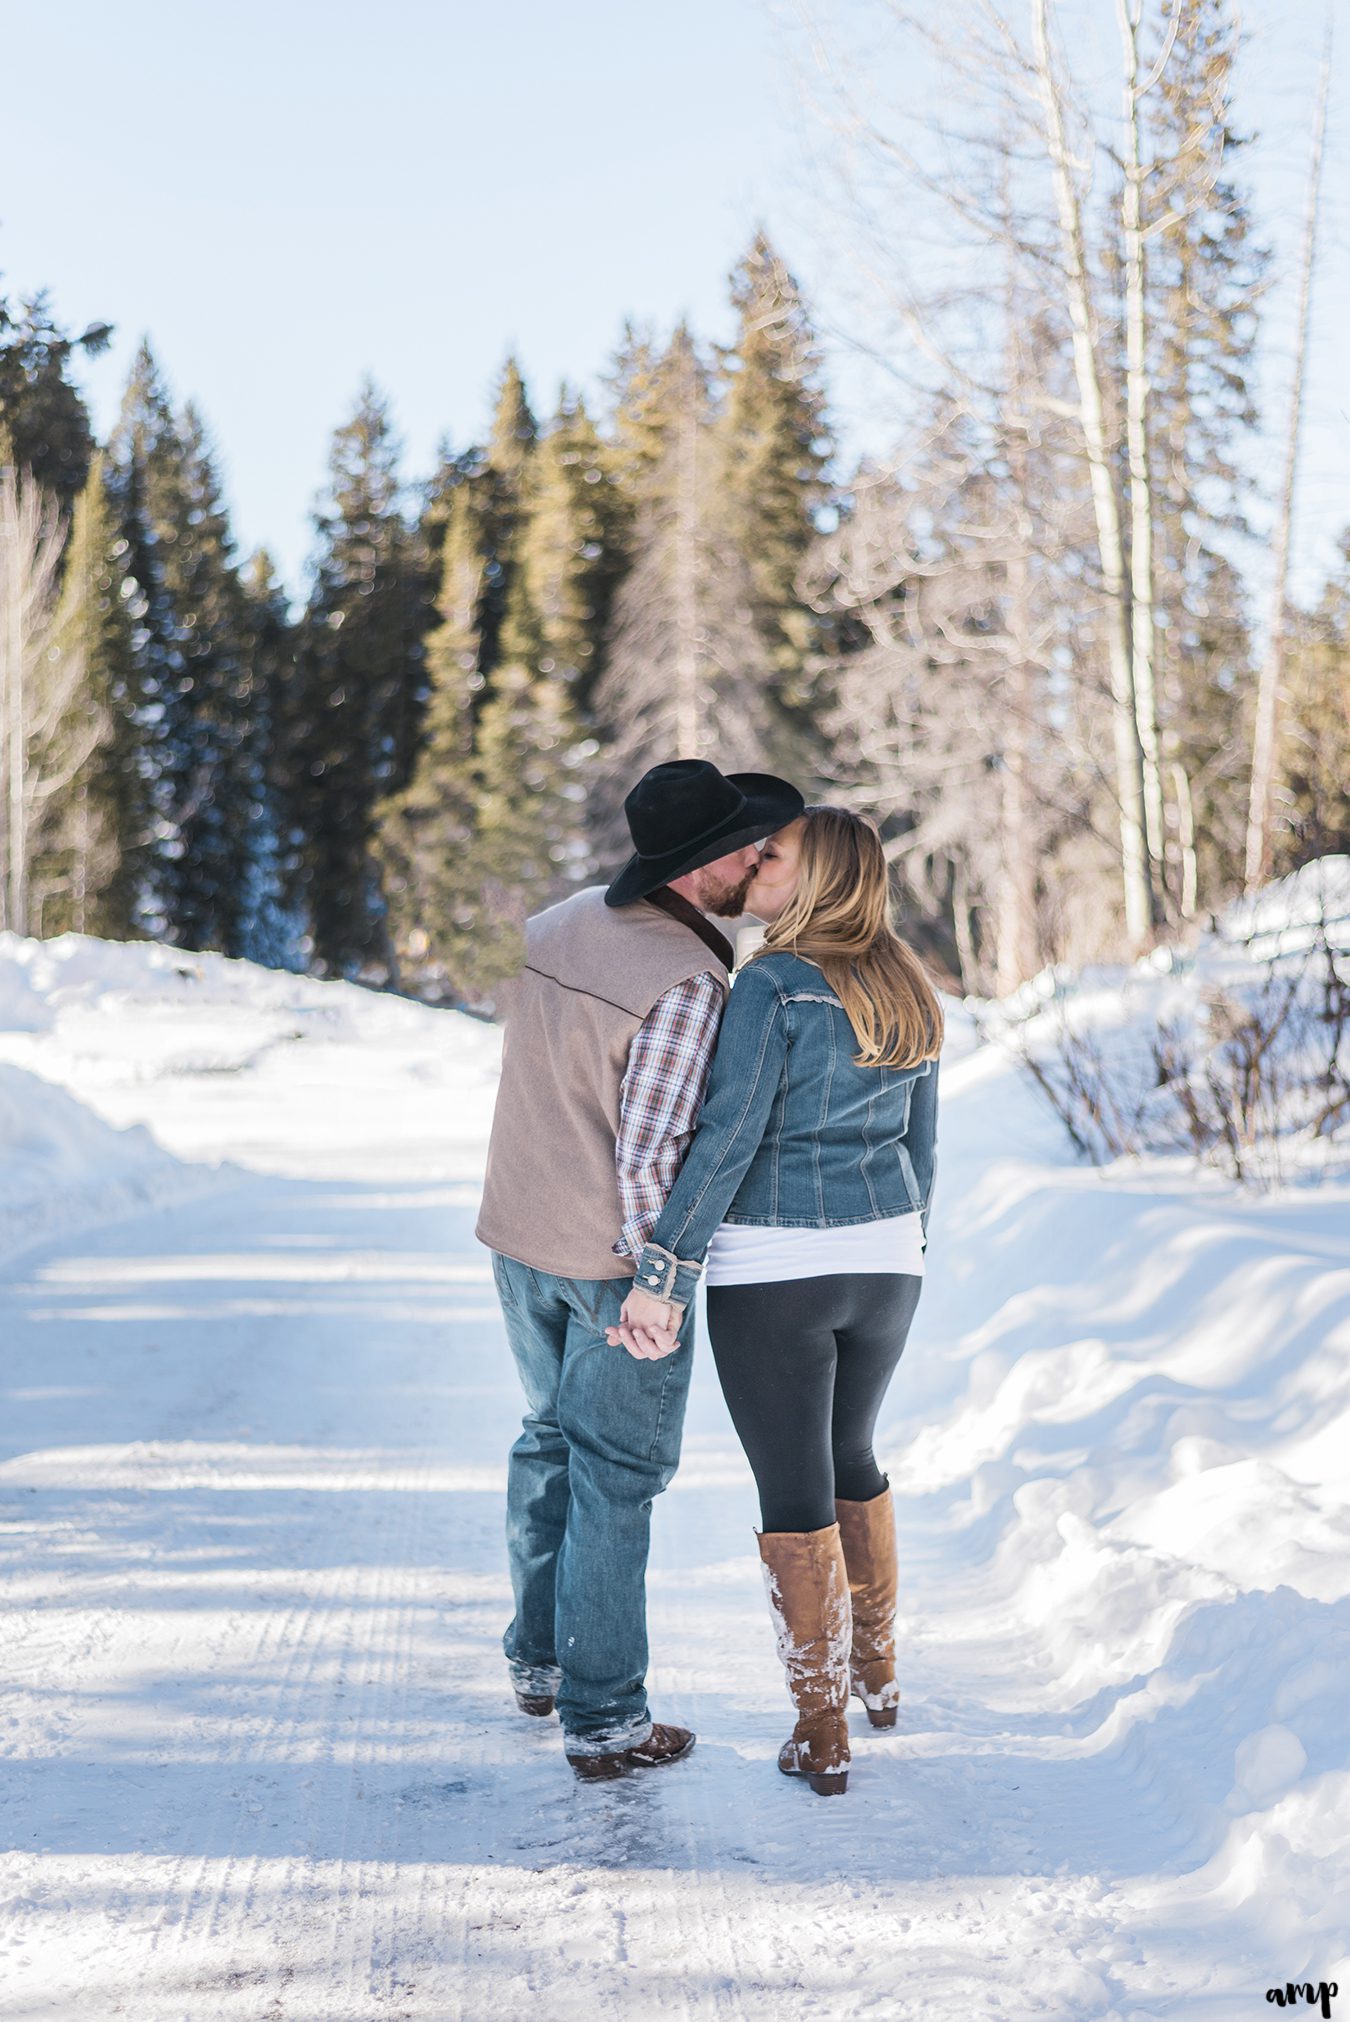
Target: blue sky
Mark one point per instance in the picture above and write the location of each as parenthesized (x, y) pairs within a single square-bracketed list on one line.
[(285, 196)]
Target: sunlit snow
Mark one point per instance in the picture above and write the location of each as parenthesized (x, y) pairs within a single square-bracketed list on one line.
[(257, 1753)]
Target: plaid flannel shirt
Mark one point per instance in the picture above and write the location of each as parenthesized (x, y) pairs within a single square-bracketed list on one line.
[(662, 1094)]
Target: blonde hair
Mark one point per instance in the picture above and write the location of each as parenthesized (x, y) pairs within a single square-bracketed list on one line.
[(839, 918)]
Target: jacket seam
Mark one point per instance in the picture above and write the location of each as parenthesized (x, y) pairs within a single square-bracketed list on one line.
[(777, 1111), (818, 1135), (825, 1222), (751, 1086), (869, 1149)]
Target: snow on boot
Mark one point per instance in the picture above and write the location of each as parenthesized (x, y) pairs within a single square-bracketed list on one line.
[(867, 1532), (535, 1687), (808, 1594), (663, 1745)]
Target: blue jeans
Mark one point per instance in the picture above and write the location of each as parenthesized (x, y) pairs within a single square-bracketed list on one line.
[(601, 1438)]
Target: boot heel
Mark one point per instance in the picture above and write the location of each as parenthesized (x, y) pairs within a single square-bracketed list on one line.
[(883, 1716), (828, 1782)]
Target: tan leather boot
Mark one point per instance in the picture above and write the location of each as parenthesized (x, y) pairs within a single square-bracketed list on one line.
[(808, 1594), (867, 1531)]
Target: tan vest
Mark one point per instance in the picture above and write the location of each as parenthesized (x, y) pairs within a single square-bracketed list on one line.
[(592, 973)]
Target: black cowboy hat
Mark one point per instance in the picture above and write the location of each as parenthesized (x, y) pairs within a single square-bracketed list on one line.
[(686, 813)]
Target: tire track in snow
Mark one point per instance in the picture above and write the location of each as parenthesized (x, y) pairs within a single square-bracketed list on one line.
[(276, 1681), (368, 1957), (213, 1900), (984, 1850), (347, 1648)]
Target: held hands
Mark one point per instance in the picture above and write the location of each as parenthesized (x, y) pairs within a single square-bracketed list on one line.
[(648, 1328)]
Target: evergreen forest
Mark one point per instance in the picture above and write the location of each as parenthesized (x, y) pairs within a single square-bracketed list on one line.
[(1025, 641)]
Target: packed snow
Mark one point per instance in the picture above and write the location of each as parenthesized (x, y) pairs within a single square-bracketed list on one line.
[(258, 1758), (1247, 1025)]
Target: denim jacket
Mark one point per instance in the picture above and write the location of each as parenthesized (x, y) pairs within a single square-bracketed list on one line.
[(793, 1134)]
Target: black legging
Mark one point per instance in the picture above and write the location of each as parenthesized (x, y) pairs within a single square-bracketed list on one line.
[(804, 1366)]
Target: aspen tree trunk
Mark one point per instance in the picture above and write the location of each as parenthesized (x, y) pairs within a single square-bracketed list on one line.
[(1015, 941), (5, 783), (14, 587), (1016, 956), (1190, 869), (48, 727), (688, 712), (963, 931), (1140, 898), (1143, 634), (79, 890), (1260, 808)]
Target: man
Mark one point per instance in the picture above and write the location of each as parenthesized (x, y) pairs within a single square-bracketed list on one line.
[(610, 1032)]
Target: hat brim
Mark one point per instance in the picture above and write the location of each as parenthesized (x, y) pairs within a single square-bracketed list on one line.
[(771, 803)]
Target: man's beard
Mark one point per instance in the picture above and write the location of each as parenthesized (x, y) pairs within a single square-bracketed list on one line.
[(724, 900)]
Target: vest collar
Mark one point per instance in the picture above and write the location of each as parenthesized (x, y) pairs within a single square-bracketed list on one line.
[(679, 908)]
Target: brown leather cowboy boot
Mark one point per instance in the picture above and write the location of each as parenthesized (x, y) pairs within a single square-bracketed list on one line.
[(808, 1593), (663, 1745), (867, 1531)]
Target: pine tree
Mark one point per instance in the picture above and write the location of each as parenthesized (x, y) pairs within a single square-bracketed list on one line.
[(208, 768), (486, 520), (512, 436), (484, 834), (438, 492), (359, 690), (273, 930), (520, 550), (569, 553), (468, 575), (527, 808), (425, 833), (773, 450), (42, 414), (142, 487), (635, 383), (488, 827), (189, 700), (688, 672), (472, 516)]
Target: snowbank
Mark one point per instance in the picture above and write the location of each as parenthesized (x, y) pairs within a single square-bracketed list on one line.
[(1234, 1047), (61, 1166), (1122, 1440), (288, 1072), (256, 1456)]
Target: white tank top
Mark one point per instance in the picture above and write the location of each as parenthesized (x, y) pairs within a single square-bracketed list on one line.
[(742, 1254)]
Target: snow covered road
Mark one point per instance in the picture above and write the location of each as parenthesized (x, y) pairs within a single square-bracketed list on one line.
[(257, 1756)]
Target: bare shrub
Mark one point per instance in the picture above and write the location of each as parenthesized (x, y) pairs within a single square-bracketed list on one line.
[(1232, 1076), (1103, 1119), (1251, 1070)]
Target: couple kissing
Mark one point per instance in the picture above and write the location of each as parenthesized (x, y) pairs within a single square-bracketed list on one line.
[(657, 1125)]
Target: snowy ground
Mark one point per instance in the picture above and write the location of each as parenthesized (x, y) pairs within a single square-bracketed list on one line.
[(257, 1758)]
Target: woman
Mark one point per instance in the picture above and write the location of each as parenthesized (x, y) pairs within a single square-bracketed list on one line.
[(807, 1188)]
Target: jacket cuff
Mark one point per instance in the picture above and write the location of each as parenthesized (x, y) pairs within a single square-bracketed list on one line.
[(666, 1276)]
